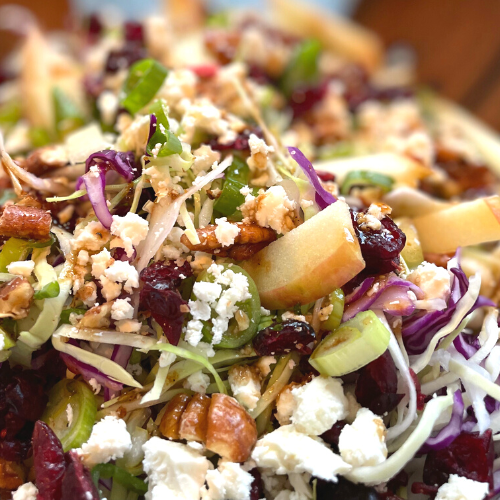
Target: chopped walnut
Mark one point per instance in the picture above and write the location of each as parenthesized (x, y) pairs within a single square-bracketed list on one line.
[(97, 317), (15, 298)]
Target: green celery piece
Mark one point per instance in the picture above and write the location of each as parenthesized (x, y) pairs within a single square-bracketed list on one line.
[(13, 250), (366, 178), (171, 145), (238, 171), (158, 108), (66, 313), (108, 471), (230, 198), (8, 341), (337, 300)]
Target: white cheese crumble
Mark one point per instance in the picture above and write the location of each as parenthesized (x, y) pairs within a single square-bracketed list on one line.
[(434, 281), (289, 315), (27, 491), (197, 382), (204, 158), (69, 414), (122, 309), (92, 237), (318, 405), (96, 386), (271, 208), (131, 229), (363, 442), (174, 470), (245, 385), (109, 290), (286, 451), (109, 440), (21, 268), (228, 481), (83, 258), (461, 488), (225, 232), (264, 364), (211, 297), (123, 272)]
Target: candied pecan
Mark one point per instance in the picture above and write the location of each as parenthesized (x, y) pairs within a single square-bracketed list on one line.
[(12, 475), (231, 431), (246, 251), (15, 298), (45, 159), (194, 420), (249, 234), (97, 316), (171, 420), (222, 44), (25, 222)]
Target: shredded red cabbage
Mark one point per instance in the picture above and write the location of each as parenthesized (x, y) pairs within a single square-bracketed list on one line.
[(466, 345), (95, 184), (359, 291), (109, 159), (419, 329), (152, 125), (121, 355), (323, 197), (389, 293), (89, 372), (451, 431)]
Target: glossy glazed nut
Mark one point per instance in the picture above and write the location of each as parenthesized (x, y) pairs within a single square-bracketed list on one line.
[(12, 475), (171, 420), (15, 298), (25, 222), (231, 431), (194, 420)]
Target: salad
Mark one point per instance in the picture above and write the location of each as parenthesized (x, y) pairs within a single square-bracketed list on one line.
[(242, 258)]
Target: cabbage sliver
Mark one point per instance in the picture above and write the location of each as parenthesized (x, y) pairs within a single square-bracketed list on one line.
[(353, 345)]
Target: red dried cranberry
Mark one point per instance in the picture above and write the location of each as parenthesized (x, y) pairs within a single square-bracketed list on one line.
[(133, 32), (303, 99), (377, 385), (205, 70), (160, 297), (344, 489), (470, 455), (25, 396), (14, 450), (326, 176), (424, 489), (420, 396), (280, 338), (239, 144), (332, 435), (77, 483), (257, 487), (381, 248), (94, 28), (48, 461), (400, 480), (124, 58), (168, 273)]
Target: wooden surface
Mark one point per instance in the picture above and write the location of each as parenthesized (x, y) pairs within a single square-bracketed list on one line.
[(457, 43)]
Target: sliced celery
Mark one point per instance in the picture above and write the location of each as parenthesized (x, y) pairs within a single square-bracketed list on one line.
[(74, 394), (412, 252), (230, 198), (366, 178), (353, 345), (49, 291)]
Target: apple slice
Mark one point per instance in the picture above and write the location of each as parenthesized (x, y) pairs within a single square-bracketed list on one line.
[(404, 171), (309, 262), (464, 224), (409, 202)]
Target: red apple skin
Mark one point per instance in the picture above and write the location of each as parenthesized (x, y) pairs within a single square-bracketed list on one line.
[(309, 262)]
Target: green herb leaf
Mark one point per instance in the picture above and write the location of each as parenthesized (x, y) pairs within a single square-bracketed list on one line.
[(49, 291)]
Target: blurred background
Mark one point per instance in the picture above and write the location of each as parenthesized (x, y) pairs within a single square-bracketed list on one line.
[(456, 44)]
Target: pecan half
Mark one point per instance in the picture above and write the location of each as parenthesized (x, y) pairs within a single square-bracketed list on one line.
[(25, 222), (194, 421), (15, 298), (45, 159), (171, 420), (249, 235), (231, 431), (12, 475)]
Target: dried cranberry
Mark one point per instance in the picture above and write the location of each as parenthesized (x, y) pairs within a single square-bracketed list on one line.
[(424, 489), (420, 396), (160, 297), (24, 396), (133, 32), (381, 248), (94, 28), (470, 455), (239, 144), (280, 338), (14, 450), (257, 487), (124, 58), (377, 385), (332, 435), (344, 489), (400, 480), (303, 99), (77, 483), (326, 176), (168, 273), (48, 461)]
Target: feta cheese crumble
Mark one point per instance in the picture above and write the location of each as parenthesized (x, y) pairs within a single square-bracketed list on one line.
[(433, 280), (461, 488), (245, 385), (197, 382), (318, 405), (225, 232), (122, 309), (363, 442), (123, 272), (109, 440), (174, 470), (286, 451), (131, 229), (27, 491), (228, 481), (21, 268)]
